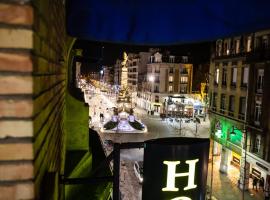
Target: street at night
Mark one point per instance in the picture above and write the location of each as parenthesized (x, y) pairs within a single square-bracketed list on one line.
[(134, 100)]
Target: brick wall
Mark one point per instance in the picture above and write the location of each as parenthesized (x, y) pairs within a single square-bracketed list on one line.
[(32, 91)]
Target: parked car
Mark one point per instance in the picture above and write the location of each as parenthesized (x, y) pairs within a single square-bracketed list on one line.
[(138, 170)]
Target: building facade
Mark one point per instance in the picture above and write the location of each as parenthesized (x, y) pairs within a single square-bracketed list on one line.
[(166, 76), (239, 104)]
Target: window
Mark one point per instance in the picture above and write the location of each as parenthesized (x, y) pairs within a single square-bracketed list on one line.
[(222, 102), (171, 70), (184, 59), (216, 76), (224, 76), (156, 89), (214, 100), (257, 144), (242, 108), (219, 48), (152, 59), (258, 112), (234, 76), (249, 44), (237, 46), (183, 89), (231, 103), (170, 78), (260, 80), (170, 88), (157, 99), (265, 42), (245, 76), (171, 59), (183, 79)]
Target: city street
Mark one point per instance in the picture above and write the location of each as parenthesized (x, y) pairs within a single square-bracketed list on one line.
[(157, 128)]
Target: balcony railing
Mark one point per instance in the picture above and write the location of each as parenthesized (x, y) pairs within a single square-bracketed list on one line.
[(241, 116), (231, 113)]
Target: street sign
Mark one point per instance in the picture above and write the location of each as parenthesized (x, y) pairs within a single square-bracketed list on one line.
[(175, 168)]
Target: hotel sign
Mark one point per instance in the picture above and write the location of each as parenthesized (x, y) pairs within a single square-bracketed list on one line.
[(175, 169)]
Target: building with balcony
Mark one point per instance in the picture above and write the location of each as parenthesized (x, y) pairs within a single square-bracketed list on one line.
[(166, 76), (239, 104)]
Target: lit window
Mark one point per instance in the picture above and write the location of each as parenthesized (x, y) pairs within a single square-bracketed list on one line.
[(234, 75), (217, 76), (170, 78), (249, 44), (170, 88), (258, 112), (183, 79), (245, 76), (260, 79)]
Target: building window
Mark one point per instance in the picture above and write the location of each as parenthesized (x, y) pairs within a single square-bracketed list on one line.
[(249, 44), (258, 112), (183, 89), (237, 46), (184, 59), (242, 108), (157, 99), (171, 70), (170, 78), (152, 59), (214, 100), (222, 103), (257, 144), (183, 79), (224, 76), (219, 48), (170, 88), (171, 59), (245, 76), (216, 76), (156, 89), (265, 42), (234, 76), (260, 80), (231, 103)]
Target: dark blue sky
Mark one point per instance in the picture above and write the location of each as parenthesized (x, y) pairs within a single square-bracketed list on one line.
[(166, 22)]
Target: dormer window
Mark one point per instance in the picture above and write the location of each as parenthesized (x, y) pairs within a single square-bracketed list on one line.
[(171, 59)]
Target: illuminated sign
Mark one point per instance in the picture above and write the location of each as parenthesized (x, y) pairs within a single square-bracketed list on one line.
[(175, 169)]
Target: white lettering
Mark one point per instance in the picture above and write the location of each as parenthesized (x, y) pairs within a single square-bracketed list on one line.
[(171, 175)]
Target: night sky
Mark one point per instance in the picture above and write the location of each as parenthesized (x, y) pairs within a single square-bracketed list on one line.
[(101, 53)]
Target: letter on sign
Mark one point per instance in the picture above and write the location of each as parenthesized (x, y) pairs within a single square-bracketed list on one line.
[(171, 175)]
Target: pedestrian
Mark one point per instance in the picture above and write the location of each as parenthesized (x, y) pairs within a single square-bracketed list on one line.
[(255, 183), (261, 183), (267, 192)]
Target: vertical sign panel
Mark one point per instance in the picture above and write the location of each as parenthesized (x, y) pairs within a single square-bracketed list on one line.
[(175, 169)]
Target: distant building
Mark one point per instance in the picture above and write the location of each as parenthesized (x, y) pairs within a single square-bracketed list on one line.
[(240, 104), (166, 76)]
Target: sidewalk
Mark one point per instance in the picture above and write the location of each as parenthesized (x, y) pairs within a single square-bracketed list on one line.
[(225, 185)]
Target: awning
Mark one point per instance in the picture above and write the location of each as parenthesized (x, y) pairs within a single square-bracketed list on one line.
[(164, 22)]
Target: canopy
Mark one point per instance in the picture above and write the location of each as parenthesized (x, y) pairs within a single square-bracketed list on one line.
[(159, 22)]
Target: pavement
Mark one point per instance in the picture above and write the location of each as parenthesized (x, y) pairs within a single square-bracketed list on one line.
[(224, 186)]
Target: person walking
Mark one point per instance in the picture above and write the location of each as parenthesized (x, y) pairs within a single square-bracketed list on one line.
[(267, 192), (255, 183), (261, 183)]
